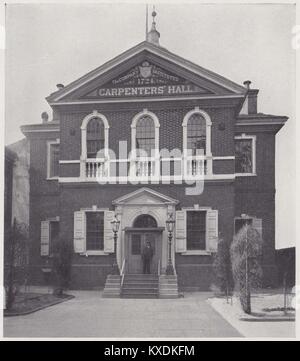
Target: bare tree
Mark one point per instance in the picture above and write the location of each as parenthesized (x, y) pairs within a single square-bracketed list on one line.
[(16, 261)]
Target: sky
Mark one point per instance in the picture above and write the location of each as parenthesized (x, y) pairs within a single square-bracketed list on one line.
[(57, 43)]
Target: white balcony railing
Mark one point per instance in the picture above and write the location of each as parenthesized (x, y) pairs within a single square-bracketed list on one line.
[(195, 166), (96, 168), (146, 168)]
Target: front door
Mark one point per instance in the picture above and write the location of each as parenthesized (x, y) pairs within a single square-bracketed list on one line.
[(136, 243)]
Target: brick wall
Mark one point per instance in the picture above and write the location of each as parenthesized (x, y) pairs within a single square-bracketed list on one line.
[(251, 195), (170, 118)]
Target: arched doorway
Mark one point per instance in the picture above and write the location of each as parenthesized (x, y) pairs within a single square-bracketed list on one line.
[(144, 230)]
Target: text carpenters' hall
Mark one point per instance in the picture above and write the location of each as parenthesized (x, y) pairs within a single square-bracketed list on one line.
[(150, 148)]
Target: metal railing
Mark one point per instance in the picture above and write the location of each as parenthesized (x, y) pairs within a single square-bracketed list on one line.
[(122, 273)]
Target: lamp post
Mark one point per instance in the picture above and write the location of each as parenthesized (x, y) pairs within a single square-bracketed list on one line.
[(115, 224), (170, 227)]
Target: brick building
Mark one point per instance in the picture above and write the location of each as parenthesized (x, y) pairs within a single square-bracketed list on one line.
[(145, 136)]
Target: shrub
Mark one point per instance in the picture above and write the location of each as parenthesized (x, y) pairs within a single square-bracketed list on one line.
[(246, 250)]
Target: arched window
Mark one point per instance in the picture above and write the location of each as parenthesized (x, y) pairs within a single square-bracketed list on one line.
[(94, 137), (145, 135), (197, 141), (196, 134), (145, 221)]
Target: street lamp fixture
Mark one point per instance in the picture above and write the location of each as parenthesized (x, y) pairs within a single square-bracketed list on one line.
[(170, 223), (115, 225)]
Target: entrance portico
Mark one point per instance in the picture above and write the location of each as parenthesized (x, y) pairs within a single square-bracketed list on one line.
[(143, 215)]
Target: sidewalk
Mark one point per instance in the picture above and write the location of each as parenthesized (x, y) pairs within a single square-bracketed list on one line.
[(90, 315), (233, 314)]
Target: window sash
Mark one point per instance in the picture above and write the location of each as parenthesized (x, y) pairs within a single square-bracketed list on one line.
[(145, 135), (244, 155), (54, 160), (94, 231), (196, 230), (95, 137), (93, 147), (196, 133)]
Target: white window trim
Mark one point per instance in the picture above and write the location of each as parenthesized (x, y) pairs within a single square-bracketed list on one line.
[(253, 138), (94, 252), (49, 143), (208, 154), (49, 220), (133, 131), (52, 219), (94, 114), (197, 252)]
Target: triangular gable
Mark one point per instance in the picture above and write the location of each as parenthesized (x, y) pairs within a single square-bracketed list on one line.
[(146, 79), (145, 196), (142, 70)]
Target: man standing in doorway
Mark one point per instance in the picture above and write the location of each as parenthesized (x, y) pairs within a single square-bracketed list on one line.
[(147, 255)]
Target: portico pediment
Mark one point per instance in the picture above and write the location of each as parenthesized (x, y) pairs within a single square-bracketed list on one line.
[(144, 197)]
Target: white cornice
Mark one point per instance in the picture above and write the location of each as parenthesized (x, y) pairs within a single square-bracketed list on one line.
[(142, 100)]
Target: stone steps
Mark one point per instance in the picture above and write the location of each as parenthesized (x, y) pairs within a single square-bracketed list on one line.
[(112, 287), (168, 286), (140, 286)]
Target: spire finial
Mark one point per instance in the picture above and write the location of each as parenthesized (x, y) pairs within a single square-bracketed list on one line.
[(146, 22), (153, 35), (153, 14)]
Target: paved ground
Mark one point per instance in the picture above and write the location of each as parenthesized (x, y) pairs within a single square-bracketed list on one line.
[(90, 315), (232, 313)]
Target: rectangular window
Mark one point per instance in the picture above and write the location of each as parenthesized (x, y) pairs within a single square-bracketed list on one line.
[(53, 235), (94, 231), (53, 166), (244, 155), (196, 230), (239, 223)]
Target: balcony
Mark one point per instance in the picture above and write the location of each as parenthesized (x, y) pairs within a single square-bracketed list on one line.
[(146, 169)]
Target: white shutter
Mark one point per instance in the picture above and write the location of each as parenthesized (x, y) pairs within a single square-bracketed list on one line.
[(108, 233), (257, 224), (45, 238), (180, 231), (79, 232), (212, 230)]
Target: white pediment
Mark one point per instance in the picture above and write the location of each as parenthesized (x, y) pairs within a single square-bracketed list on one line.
[(145, 196), (146, 70)]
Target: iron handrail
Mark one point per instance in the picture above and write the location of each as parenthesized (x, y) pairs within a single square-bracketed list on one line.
[(122, 273)]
